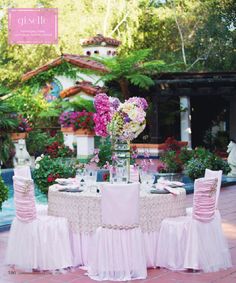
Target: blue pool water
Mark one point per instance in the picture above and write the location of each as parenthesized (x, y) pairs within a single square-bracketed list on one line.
[(8, 211)]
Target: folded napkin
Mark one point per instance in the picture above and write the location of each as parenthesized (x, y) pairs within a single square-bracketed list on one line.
[(163, 186), (170, 183), (65, 188), (64, 181)]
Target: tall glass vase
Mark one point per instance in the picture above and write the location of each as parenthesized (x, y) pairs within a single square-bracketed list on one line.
[(120, 170)]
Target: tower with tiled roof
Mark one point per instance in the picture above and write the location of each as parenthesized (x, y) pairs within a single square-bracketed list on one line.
[(100, 45)]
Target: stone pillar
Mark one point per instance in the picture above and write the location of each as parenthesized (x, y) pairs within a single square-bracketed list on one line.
[(232, 118), (69, 137), (85, 145), (185, 120)]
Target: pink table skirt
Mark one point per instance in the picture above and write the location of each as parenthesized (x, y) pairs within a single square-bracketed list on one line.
[(83, 211)]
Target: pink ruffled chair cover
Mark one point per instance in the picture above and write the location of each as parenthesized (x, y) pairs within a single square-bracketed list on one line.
[(118, 252), (24, 171), (210, 174), (36, 242), (195, 242)]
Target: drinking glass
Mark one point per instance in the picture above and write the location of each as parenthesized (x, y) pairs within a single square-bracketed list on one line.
[(147, 179), (80, 175), (91, 180)]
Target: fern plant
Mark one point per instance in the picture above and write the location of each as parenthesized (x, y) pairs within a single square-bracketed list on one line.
[(132, 68)]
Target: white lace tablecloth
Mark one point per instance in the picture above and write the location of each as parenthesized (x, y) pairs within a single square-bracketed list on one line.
[(83, 210)]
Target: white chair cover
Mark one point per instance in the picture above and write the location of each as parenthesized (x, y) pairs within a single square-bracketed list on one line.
[(118, 249), (210, 174), (195, 242), (36, 242)]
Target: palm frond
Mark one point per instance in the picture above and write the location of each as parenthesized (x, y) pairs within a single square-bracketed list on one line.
[(140, 80)]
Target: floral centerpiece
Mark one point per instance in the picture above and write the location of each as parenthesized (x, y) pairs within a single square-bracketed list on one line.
[(123, 122)]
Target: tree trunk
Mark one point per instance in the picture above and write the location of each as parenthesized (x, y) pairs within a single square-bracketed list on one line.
[(124, 86)]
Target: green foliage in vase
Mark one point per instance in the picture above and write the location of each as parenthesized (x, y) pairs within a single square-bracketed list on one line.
[(105, 152), (3, 192), (48, 169)]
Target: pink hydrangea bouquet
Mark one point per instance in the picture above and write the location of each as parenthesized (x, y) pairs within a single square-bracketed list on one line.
[(123, 121)]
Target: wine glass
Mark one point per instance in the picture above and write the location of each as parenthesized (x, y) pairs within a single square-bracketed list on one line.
[(91, 179), (80, 175)]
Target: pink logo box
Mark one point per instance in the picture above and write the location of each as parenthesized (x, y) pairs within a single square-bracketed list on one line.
[(33, 26)]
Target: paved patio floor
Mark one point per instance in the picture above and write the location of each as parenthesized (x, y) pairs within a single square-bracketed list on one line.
[(228, 212)]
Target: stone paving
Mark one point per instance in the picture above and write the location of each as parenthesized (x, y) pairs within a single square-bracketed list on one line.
[(228, 212)]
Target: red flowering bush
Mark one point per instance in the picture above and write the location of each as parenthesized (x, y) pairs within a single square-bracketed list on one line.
[(48, 169), (58, 150), (173, 157)]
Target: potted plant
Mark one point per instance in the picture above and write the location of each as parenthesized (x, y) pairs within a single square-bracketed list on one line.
[(173, 159), (22, 129), (203, 159)]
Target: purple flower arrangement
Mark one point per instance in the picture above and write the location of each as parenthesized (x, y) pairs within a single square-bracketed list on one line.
[(123, 121), (77, 120)]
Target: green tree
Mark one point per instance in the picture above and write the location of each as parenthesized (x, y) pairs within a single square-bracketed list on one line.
[(7, 124), (134, 68)]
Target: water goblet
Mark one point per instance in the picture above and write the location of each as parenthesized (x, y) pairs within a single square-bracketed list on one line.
[(91, 179), (80, 175)]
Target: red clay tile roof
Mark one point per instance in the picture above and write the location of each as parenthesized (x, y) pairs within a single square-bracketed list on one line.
[(84, 86), (84, 62), (99, 39)]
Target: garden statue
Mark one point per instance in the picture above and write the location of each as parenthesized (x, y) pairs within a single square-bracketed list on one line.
[(232, 158), (22, 156)]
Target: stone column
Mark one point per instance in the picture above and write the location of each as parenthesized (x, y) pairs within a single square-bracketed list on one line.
[(69, 137), (85, 145), (232, 118), (185, 120)]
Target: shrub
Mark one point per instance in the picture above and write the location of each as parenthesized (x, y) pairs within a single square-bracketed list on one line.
[(56, 150), (37, 141), (202, 159), (48, 169), (3, 192)]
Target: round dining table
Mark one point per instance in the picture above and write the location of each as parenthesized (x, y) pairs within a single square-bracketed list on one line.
[(83, 212)]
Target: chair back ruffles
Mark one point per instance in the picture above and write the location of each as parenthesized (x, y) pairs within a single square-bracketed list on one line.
[(204, 199), (24, 199)]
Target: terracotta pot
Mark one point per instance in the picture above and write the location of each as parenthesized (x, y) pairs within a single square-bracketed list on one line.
[(18, 136), (84, 132), (67, 129)]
